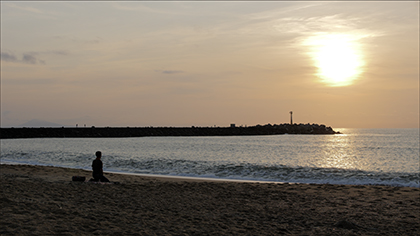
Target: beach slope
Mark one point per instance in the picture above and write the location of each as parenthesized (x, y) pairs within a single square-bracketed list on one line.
[(41, 200)]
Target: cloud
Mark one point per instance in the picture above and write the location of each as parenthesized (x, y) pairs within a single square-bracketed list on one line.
[(8, 57), (49, 52), (27, 58), (145, 7), (25, 8), (169, 71), (31, 57)]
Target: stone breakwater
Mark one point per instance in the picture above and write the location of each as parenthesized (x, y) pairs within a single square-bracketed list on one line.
[(116, 132)]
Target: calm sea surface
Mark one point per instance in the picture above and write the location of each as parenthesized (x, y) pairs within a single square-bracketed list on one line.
[(358, 156)]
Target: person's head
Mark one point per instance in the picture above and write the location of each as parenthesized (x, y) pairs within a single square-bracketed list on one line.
[(98, 154)]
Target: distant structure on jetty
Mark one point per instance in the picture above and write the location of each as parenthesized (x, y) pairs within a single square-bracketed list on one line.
[(114, 132), (291, 117)]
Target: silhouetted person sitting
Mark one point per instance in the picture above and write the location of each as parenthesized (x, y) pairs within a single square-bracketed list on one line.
[(98, 174)]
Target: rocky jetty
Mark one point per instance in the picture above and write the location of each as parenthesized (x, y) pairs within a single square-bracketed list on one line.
[(9, 133)]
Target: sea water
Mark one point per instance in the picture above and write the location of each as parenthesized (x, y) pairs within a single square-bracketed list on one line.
[(357, 156)]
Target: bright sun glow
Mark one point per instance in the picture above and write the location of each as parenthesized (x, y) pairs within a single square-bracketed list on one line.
[(337, 57)]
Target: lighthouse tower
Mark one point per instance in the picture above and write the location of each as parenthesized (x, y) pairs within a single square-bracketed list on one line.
[(291, 117)]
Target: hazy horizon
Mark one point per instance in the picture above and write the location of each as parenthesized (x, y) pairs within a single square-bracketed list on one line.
[(138, 64), (36, 123)]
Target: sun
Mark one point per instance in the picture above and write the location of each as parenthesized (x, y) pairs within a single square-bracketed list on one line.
[(338, 59)]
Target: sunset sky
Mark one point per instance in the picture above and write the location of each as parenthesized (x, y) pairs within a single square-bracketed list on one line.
[(342, 64)]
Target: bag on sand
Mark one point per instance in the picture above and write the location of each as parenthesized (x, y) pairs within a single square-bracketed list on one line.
[(78, 178)]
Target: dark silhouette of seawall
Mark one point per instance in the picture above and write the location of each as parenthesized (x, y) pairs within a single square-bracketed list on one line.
[(120, 132)]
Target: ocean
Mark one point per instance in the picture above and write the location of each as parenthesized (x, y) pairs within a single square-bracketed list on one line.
[(357, 156)]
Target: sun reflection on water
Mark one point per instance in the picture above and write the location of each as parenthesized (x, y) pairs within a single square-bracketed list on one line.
[(339, 153)]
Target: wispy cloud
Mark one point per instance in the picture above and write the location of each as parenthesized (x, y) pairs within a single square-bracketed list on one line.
[(144, 7), (8, 57), (27, 58), (25, 8), (30, 9), (169, 71), (31, 57)]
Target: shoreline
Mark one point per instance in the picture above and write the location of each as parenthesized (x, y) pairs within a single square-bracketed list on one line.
[(214, 179), (46, 200), (163, 177)]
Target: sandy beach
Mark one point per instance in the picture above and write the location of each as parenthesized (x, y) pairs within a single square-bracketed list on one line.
[(40, 200)]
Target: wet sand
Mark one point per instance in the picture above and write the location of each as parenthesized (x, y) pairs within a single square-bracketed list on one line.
[(39, 200)]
